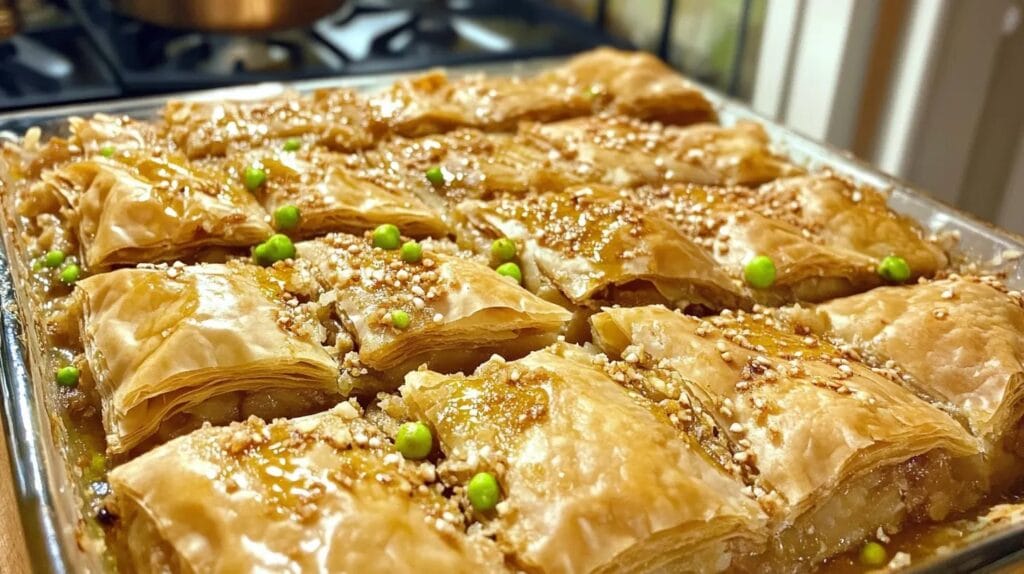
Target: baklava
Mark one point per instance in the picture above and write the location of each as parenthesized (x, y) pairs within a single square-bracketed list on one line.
[(561, 323), (444, 310), (956, 341), (324, 493), (174, 347), (590, 480), (833, 450)]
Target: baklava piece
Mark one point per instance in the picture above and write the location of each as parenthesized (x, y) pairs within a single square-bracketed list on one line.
[(625, 151), (435, 308), (958, 341), (819, 236), (173, 347), (630, 83), (572, 475), (635, 84), (432, 103), (850, 217), (106, 135), (329, 193), (592, 246), (800, 265), (339, 119), (324, 493), (444, 169), (831, 449), (140, 208)]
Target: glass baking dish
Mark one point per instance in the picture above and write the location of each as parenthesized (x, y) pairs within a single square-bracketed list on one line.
[(49, 505)]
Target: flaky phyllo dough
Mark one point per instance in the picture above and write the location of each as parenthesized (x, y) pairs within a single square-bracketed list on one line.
[(591, 245), (833, 450), (216, 342), (332, 195), (559, 323), (555, 427), (460, 312), (956, 341), (324, 493)]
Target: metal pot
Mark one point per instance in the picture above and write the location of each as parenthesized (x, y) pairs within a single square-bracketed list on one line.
[(227, 15), (8, 18)]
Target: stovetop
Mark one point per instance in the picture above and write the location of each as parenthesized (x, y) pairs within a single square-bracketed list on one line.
[(83, 50)]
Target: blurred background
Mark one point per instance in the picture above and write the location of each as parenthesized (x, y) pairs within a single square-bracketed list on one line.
[(929, 90)]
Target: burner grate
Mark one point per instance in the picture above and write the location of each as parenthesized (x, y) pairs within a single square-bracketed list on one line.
[(152, 59), (376, 36), (52, 64), (97, 53)]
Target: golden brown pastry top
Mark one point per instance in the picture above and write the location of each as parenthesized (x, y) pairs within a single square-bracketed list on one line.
[(451, 303), (590, 480), (324, 493), (595, 241), (160, 340), (958, 340), (804, 416)]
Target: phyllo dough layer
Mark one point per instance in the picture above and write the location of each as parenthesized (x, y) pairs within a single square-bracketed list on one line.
[(630, 83), (331, 196), (459, 311), (825, 237), (432, 103), (324, 493), (959, 341), (590, 480), (141, 208), (850, 217), (473, 164), (339, 119), (833, 450), (213, 342), (597, 246), (624, 151), (636, 84)]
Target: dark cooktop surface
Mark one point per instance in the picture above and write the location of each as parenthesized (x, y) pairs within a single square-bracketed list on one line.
[(83, 50)]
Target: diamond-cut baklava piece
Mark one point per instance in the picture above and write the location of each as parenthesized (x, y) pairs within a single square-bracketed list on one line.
[(833, 450), (141, 208), (443, 310), (323, 493), (850, 217), (339, 119), (332, 195), (432, 103), (958, 341), (624, 151), (734, 231), (594, 245), (466, 164), (636, 84), (170, 348), (109, 134), (629, 83), (589, 479)]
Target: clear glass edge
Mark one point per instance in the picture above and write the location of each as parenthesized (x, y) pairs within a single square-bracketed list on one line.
[(53, 546)]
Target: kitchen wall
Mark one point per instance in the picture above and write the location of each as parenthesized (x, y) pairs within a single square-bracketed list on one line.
[(713, 41)]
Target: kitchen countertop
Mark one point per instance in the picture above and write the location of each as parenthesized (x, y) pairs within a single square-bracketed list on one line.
[(13, 556)]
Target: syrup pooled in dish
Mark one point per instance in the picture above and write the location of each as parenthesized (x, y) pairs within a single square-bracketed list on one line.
[(558, 323)]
